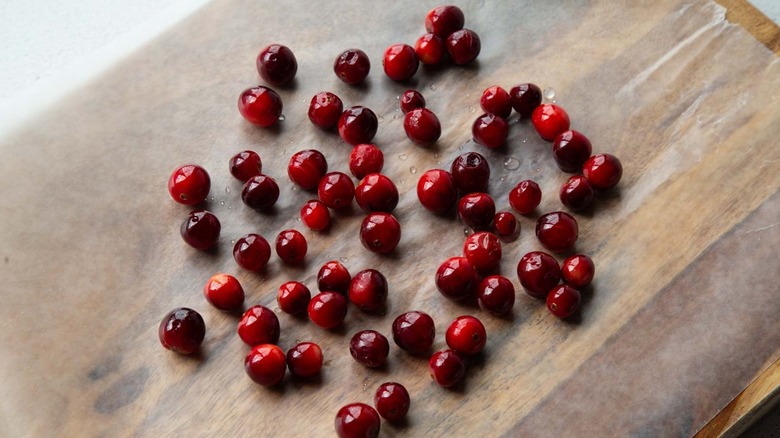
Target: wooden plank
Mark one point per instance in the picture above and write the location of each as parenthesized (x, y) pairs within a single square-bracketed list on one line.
[(754, 21)]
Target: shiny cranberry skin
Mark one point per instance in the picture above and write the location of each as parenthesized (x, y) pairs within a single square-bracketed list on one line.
[(259, 325), (557, 231), (525, 197), (291, 246), (571, 149), (260, 192), (578, 270), (550, 121), (496, 295), (466, 335), (336, 190), (392, 401), (411, 100), (276, 64), (224, 292), (380, 233), (352, 66), (245, 165), (368, 290), (376, 192), (414, 332), (182, 331), (365, 159), (293, 297), (506, 226), (538, 273), (456, 278), (422, 126), (400, 62), (200, 230), (325, 109), (189, 184), (483, 250), (463, 46), (471, 173), (576, 193), (436, 191), (525, 98), (260, 106), (603, 171), (370, 348), (328, 309), (444, 20), (305, 360), (357, 420), (447, 368), (495, 100), (357, 125), (563, 301), (430, 49), (333, 276), (252, 252), (315, 215), (265, 364), (490, 131), (476, 210), (306, 168)]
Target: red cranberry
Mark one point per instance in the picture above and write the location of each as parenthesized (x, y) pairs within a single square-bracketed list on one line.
[(422, 126), (252, 252), (476, 210), (291, 246), (352, 66), (436, 191), (260, 192), (411, 100), (538, 273), (182, 330), (366, 158), (260, 106), (305, 360), (333, 276), (578, 270), (603, 171), (357, 125), (376, 192), (224, 292), (325, 109), (306, 168), (328, 309), (444, 20), (525, 98), (495, 100), (563, 301), (276, 64), (368, 290), (557, 231), (463, 46), (447, 368), (496, 295), (466, 335), (576, 193), (259, 325), (471, 173), (490, 130), (370, 348), (483, 250), (293, 297), (200, 230), (315, 215), (265, 364), (550, 121), (380, 233), (571, 149), (414, 332), (189, 184), (400, 62), (456, 278), (392, 401), (357, 420), (506, 226), (245, 165), (525, 197), (336, 190), (430, 49)]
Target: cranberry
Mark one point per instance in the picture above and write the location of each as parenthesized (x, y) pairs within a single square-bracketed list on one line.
[(400, 62), (495, 100), (291, 246), (571, 149), (466, 335), (444, 20), (496, 295), (392, 401), (182, 330), (293, 297), (603, 171), (259, 325), (328, 309), (380, 233), (333, 276), (260, 106), (525, 197), (252, 252), (436, 191), (411, 100), (260, 192), (357, 125), (576, 193), (476, 210), (483, 250), (563, 301), (463, 46), (368, 290), (189, 184), (490, 130), (471, 172), (352, 66), (315, 215), (578, 270), (538, 273), (447, 368), (414, 332), (430, 49), (265, 364), (305, 359), (224, 292), (200, 230), (336, 190), (456, 278), (376, 192), (306, 168), (357, 420), (325, 109), (370, 348), (525, 98), (506, 226), (422, 126), (276, 64), (550, 121), (245, 165), (557, 231), (366, 158)]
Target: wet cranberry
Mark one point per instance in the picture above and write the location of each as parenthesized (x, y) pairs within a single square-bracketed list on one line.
[(538, 273), (245, 165), (357, 420), (436, 191), (366, 158), (463, 46), (578, 270), (430, 49), (392, 401), (260, 192), (422, 126), (571, 149), (476, 210), (336, 190), (414, 332), (189, 184), (506, 226), (333, 276), (328, 309), (376, 192), (496, 295), (456, 278), (557, 231), (224, 292), (252, 252), (411, 100), (447, 368), (306, 168), (325, 109), (400, 62), (276, 64), (525, 197), (260, 106), (550, 121), (380, 233), (483, 250), (305, 360), (265, 364), (315, 215), (357, 125), (368, 290), (370, 348), (576, 193), (466, 335), (471, 173), (444, 20), (495, 100), (291, 246), (200, 230), (490, 131), (352, 66), (293, 297), (603, 171), (182, 330), (525, 98), (563, 301), (259, 325)]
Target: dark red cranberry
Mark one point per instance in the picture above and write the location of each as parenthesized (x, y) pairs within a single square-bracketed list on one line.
[(444, 20), (291, 246), (456, 278), (293, 297), (306, 168), (436, 191), (200, 230), (259, 325), (380, 232), (430, 49), (305, 360), (603, 171), (333, 276), (447, 368), (260, 106), (557, 231), (411, 100), (392, 401), (571, 149), (189, 184), (336, 190), (400, 62), (466, 335), (260, 192), (252, 252), (276, 64), (368, 290), (245, 165), (490, 131), (563, 301), (476, 210), (376, 192), (483, 250), (328, 309), (414, 332), (495, 100), (496, 295), (471, 173), (365, 159), (315, 215), (352, 66), (506, 226), (422, 126), (538, 273), (463, 46), (224, 292), (576, 193), (357, 125), (525, 197), (265, 364), (550, 121), (182, 330), (325, 109), (357, 420), (525, 98), (578, 270), (370, 348)]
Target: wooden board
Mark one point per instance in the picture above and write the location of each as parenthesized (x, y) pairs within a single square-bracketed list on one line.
[(680, 319)]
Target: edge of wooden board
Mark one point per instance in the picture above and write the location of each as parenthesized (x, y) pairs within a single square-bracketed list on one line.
[(754, 21)]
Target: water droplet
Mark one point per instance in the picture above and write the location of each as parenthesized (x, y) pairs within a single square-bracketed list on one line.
[(326, 363), (436, 155), (501, 179), (432, 87), (397, 97), (297, 340), (526, 140), (511, 163), (212, 198), (233, 242), (227, 189), (401, 181), (343, 259), (396, 116), (298, 219), (221, 202), (412, 170), (472, 109), (229, 207), (281, 118), (380, 119), (277, 310), (549, 93), (402, 156), (295, 188), (467, 231)]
